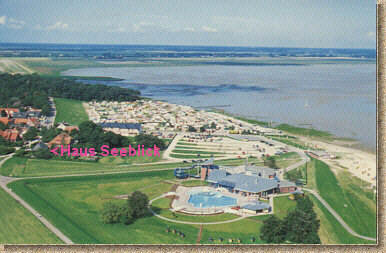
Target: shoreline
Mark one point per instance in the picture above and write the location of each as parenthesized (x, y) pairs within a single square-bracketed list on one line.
[(335, 140)]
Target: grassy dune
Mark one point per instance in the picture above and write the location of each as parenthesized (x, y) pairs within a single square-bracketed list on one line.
[(330, 231), (356, 209)]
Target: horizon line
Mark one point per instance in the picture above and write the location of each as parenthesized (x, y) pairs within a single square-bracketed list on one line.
[(182, 45)]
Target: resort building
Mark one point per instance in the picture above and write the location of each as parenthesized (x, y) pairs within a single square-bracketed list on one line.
[(256, 207), (247, 184), (61, 139), (11, 135), (124, 129)]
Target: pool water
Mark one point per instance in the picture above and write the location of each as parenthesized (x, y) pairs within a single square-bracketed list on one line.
[(211, 199)]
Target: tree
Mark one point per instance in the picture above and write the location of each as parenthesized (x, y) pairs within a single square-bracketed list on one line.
[(302, 224), (191, 129), (20, 152), (126, 215), (202, 129), (111, 213), (213, 125), (149, 141), (273, 230), (138, 204), (43, 154), (30, 134), (270, 162), (3, 126), (3, 113), (6, 150), (49, 134)]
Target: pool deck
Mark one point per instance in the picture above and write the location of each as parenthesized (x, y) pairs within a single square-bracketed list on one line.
[(181, 202)]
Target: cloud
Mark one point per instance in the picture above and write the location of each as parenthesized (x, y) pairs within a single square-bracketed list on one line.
[(188, 29), (15, 24), (142, 26), (3, 20), (57, 26), (11, 22), (119, 29), (208, 29), (371, 34)]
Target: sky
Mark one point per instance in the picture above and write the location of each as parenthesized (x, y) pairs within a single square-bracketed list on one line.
[(272, 23)]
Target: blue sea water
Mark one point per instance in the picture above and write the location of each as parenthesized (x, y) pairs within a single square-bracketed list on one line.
[(339, 98)]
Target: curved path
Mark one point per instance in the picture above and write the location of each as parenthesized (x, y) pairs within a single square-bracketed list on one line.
[(190, 222), (337, 216)]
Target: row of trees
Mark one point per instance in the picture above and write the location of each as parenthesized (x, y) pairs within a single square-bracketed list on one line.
[(34, 90), (91, 135), (135, 208), (299, 226), (202, 128)]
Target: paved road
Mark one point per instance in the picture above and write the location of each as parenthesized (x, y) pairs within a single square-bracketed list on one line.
[(336, 215), (3, 184), (172, 145)]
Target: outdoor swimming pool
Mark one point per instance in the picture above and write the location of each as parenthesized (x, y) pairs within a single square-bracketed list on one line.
[(210, 199)]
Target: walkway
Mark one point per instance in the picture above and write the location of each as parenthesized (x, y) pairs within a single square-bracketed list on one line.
[(172, 145), (336, 215)]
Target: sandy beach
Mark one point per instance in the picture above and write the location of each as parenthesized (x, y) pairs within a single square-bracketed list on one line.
[(360, 163)]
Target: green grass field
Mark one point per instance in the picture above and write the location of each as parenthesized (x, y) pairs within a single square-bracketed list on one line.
[(23, 167), (195, 152), (330, 231), (13, 167), (244, 229), (70, 111), (303, 131), (192, 156), (117, 160), (186, 143), (73, 205), (19, 226), (283, 205), (192, 183), (351, 203)]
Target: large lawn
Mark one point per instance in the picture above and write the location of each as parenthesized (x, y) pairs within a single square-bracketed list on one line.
[(73, 206), (13, 167), (283, 205), (23, 167), (70, 111), (19, 226), (330, 231), (352, 203), (244, 229)]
